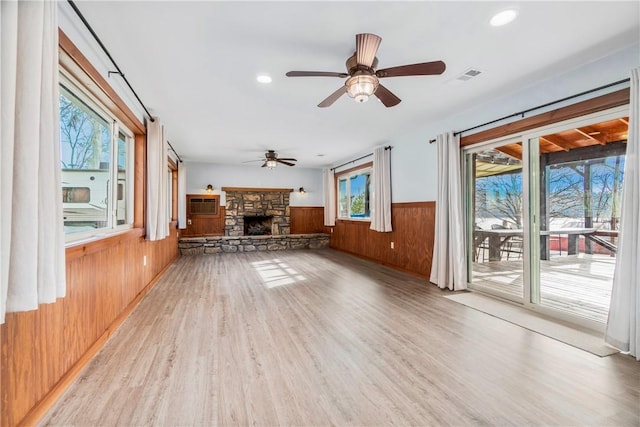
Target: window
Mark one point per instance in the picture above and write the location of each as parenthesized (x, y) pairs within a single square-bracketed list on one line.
[(76, 194), (96, 161), (354, 194)]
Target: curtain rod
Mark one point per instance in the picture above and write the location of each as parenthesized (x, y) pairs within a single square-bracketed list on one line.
[(388, 147), (523, 112), (95, 36), (174, 151)]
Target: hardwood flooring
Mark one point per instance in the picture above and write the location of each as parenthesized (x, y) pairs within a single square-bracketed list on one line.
[(323, 338)]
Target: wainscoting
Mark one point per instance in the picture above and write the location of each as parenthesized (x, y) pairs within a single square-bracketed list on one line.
[(45, 348), (413, 229), (304, 220), (205, 225), (307, 220)]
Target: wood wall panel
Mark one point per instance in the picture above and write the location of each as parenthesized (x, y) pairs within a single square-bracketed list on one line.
[(205, 225), (39, 348), (413, 230), (307, 219)]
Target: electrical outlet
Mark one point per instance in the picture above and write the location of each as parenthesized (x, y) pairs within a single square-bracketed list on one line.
[(144, 261), (392, 246), (332, 229)]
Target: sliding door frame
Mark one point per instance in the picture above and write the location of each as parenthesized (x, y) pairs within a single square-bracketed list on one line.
[(531, 196)]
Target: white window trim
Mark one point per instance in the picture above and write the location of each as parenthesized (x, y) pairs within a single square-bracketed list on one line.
[(116, 127)]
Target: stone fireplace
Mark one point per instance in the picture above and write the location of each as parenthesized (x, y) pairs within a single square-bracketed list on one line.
[(257, 209)]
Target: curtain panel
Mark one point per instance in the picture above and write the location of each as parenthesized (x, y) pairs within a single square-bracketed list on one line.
[(448, 264), (157, 186), (381, 209), (32, 261), (623, 326), (329, 194), (182, 195)]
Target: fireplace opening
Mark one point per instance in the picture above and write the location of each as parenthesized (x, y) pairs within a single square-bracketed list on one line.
[(257, 225)]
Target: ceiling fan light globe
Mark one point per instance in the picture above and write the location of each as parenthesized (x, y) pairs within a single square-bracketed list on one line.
[(271, 164), (361, 87)]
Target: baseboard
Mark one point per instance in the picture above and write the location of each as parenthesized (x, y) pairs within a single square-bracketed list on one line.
[(40, 409), (386, 264)]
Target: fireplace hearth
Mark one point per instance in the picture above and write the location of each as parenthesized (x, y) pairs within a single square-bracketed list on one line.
[(257, 225)]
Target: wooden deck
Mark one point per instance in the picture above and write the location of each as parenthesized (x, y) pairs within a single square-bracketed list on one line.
[(577, 284)]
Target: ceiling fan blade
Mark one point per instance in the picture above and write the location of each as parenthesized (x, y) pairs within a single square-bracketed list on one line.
[(366, 48), (333, 97), (422, 69), (288, 158), (285, 163), (386, 96), (252, 161), (264, 165), (316, 74)]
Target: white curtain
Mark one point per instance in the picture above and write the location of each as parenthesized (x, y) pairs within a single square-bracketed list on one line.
[(182, 195), (448, 264), (623, 327), (32, 234), (329, 198), (157, 185), (381, 209)]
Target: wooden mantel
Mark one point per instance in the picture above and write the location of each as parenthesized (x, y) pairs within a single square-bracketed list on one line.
[(258, 190)]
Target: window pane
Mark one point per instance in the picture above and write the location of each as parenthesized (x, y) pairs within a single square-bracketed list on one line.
[(342, 198), (85, 153), (359, 195), (123, 156)]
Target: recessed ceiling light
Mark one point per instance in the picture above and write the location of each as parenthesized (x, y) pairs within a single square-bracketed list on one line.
[(503, 18), (264, 78)]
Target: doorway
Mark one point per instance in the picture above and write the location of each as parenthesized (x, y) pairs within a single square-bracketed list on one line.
[(543, 210)]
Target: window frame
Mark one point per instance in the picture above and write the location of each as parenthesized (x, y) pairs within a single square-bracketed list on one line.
[(67, 81), (347, 174)]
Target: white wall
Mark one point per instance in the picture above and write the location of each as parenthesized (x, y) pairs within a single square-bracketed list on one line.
[(73, 27), (200, 174), (414, 171)]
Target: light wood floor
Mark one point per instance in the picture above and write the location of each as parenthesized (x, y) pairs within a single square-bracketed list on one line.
[(576, 284), (323, 338)]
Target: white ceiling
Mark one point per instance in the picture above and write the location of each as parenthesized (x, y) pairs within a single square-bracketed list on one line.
[(194, 65)]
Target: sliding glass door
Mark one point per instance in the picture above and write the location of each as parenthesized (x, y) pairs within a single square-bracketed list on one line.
[(543, 210), (578, 206), (495, 220)]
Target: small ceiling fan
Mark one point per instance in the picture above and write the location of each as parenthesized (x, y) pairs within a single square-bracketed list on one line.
[(271, 160), (363, 78)]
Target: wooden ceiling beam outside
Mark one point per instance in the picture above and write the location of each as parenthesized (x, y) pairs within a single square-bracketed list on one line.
[(589, 132), (509, 150), (557, 141)]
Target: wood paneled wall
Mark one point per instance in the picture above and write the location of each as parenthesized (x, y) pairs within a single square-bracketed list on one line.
[(413, 230), (205, 225), (307, 219), (41, 349)]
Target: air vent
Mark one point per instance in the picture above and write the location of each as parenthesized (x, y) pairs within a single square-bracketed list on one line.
[(469, 74)]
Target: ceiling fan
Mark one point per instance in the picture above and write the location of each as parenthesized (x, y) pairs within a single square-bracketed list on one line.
[(271, 160), (363, 78)]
